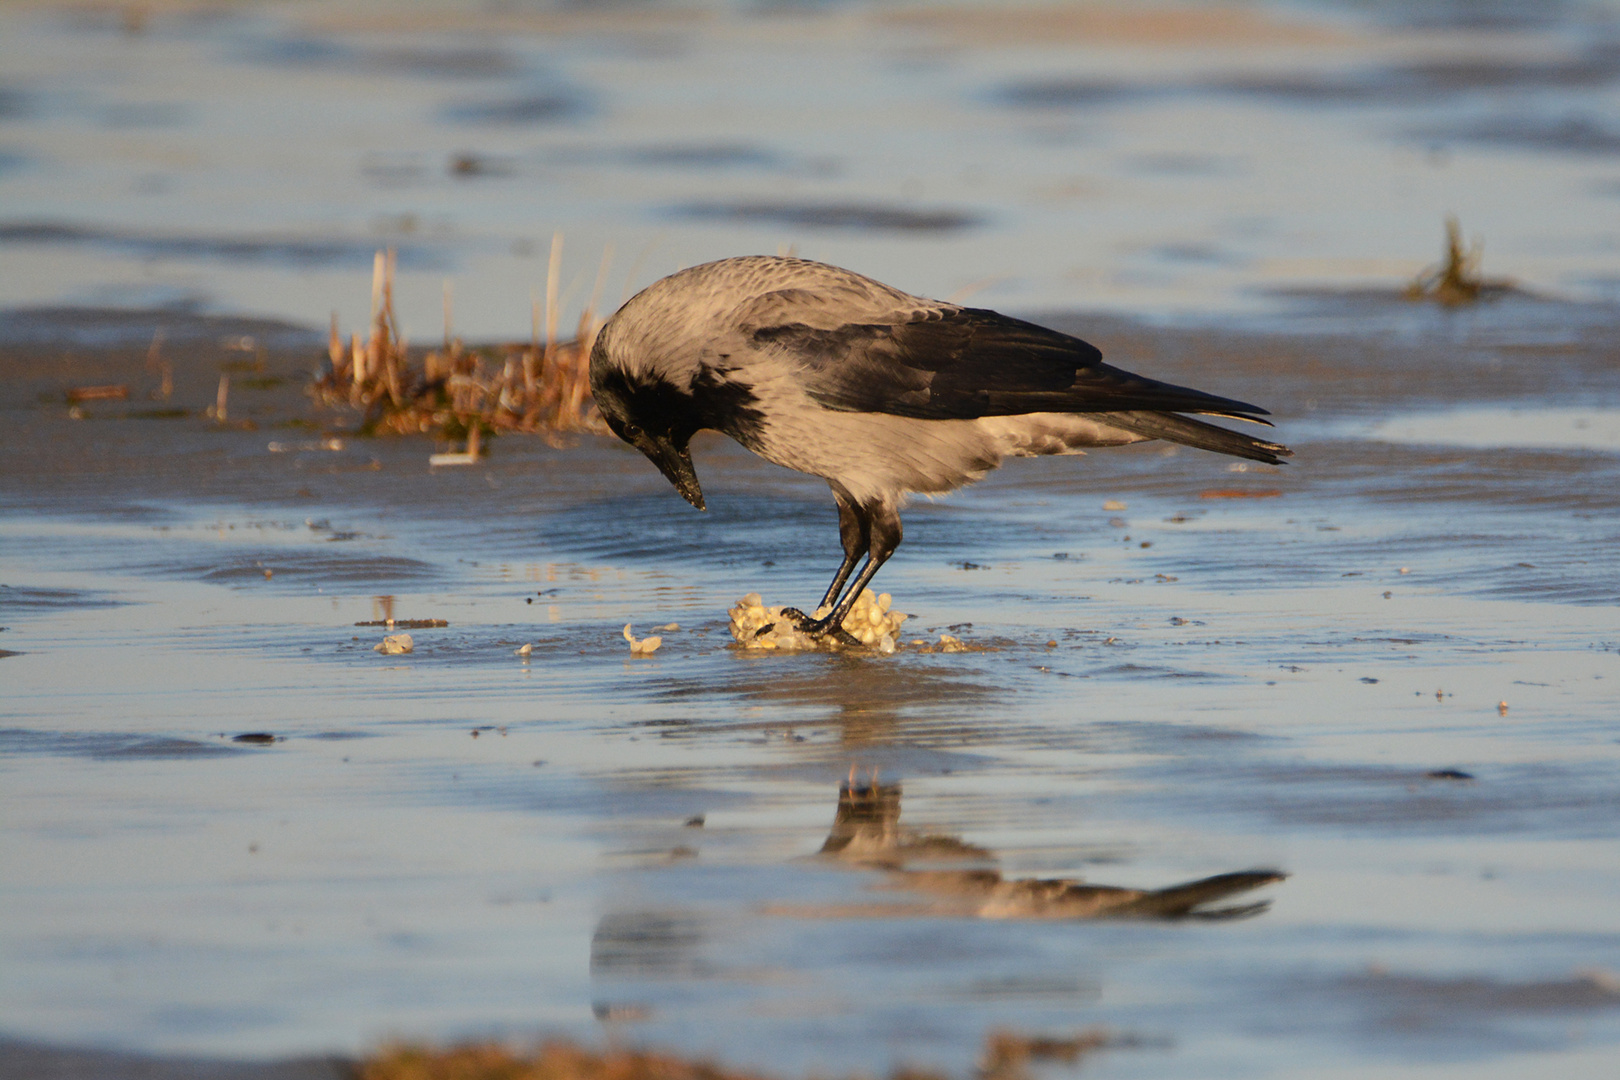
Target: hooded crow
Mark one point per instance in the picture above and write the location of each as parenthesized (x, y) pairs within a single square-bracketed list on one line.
[(881, 393)]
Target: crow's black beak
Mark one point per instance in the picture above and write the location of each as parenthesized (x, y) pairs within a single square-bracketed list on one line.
[(675, 462)]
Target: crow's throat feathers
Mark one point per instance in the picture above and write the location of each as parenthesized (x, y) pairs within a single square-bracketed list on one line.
[(653, 403)]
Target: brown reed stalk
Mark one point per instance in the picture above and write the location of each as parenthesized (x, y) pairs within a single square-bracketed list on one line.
[(532, 387)]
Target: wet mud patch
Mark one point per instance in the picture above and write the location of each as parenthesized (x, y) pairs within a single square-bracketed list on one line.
[(110, 328), (286, 568), (1131, 672), (1584, 135), (862, 217), (425, 61), (1060, 93), (14, 103), (1420, 83), (22, 598), (291, 251), (528, 111), (703, 156), (38, 1059), (108, 746), (1459, 1017), (1593, 68), (1565, 801)]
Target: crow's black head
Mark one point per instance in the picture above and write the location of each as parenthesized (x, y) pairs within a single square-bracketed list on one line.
[(655, 417)]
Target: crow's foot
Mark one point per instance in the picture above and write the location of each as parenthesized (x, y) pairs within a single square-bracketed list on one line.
[(819, 628)]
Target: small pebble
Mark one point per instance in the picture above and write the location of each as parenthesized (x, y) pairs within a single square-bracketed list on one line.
[(524, 651)]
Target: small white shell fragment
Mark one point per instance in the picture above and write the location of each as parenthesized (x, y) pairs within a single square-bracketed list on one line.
[(524, 651), (947, 643), (1113, 504), (395, 644), (670, 628), (643, 646), (755, 626)]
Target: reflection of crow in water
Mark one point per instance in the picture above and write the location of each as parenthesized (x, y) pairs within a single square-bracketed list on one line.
[(882, 393), (866, 831)]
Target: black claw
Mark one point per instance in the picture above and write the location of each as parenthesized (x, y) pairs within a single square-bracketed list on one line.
[(819, 628), (799, 619)]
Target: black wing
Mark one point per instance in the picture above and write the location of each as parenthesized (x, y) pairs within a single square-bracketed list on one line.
[(964, 363)]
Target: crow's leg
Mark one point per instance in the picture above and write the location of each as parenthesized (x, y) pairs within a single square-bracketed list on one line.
[(882, 527), (855, 530)]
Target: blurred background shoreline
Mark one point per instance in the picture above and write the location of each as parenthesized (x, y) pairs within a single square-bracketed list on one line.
[(1166, 160)]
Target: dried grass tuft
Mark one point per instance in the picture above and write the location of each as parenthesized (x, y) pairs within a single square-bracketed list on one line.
[(552, 1061), (459, 393), (1457, 279), (1007, 1055)]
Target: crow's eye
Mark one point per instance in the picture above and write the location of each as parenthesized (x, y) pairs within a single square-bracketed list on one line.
[(631, 431)]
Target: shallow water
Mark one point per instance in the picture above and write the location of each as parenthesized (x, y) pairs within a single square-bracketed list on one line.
[(1387, 671), (1244, 669)]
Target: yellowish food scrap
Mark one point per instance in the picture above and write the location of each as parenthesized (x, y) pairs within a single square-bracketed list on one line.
[(870, 621), (641, 646), (395, 644)]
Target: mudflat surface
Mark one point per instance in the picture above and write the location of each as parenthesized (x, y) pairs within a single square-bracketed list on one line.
[(1387, 671)]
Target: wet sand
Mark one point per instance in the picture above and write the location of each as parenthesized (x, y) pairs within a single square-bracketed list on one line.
[(1257, 672), (1362, 706)]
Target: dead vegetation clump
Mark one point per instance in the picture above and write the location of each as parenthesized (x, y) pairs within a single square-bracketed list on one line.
[(1456, 279), (1007, 1056), (459, 393), (552, 1061)]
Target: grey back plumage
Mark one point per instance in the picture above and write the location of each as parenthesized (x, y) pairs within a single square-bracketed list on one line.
[(826, 371)]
